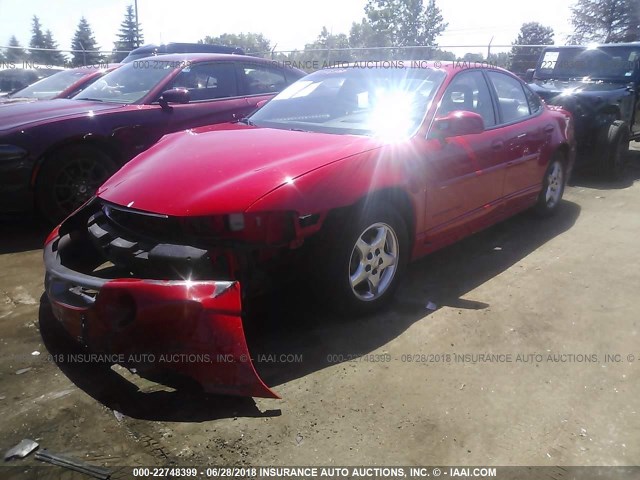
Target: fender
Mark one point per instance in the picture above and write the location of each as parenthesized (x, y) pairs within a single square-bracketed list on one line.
[(353, 179)]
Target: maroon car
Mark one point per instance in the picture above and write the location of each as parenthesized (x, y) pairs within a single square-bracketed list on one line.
[(343, 178), (54, 154), (63, 84)]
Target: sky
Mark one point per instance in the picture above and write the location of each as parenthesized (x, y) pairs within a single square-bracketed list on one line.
[(289, 24)]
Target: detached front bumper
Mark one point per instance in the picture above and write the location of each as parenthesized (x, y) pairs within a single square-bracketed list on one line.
[(192, 328)]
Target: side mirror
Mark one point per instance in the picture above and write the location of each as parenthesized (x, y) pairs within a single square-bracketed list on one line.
[(528, 76), (261, 103), (459, 122), (175, 95)]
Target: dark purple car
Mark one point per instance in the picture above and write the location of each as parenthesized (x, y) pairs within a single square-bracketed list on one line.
[(54, 154)]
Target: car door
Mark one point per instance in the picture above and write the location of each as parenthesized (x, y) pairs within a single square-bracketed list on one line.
[(214, 96), (519, 115), (465, 173)]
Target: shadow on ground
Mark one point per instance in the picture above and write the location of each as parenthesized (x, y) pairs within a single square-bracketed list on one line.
[(184, 404), (22, 233), (290, 335), (291, 324)]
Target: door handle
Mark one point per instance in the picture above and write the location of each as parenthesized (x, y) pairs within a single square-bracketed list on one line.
[(522, 135), (497, 145), (548, 129)]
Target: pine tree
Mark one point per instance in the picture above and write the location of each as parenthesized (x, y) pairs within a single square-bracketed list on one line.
[(37, 41), (54, 56), (85, 45), (130, 35), (16, 54)]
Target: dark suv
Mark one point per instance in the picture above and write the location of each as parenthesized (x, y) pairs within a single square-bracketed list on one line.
[(599, 86), (174, 47)]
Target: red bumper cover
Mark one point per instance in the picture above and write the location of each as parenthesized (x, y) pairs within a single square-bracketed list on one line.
[(191, 328)]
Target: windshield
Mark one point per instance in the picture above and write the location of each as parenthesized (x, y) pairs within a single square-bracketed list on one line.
[(127, 84), (389, 102), (51, 86), (602, 63)]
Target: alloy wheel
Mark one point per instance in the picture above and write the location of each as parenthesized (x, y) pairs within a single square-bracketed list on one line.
[(555, 184), (77, 182), (373, 262)]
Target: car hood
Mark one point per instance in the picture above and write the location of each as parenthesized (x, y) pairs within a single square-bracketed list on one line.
[(573, 87), (223, 168), (23, 114), (7, 100)]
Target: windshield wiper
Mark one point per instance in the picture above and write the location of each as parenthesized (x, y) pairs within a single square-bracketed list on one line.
[(246, 121), (90, 99)]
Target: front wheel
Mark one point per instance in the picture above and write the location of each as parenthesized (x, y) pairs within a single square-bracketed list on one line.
[(614, 151), (366, 260), (553, 185), (69, 178)]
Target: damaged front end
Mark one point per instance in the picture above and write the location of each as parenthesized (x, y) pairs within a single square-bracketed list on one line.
[(153, 287)]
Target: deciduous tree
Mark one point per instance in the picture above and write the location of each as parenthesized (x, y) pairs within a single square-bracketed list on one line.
[(252, 43), (605, 21), (531, 33), (406, 22)]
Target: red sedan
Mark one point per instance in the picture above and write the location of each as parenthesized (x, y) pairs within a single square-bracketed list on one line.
[(345, 176)]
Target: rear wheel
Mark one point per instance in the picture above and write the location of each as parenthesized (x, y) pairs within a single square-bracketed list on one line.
[(70, 178), (553, 185), (366, 260)]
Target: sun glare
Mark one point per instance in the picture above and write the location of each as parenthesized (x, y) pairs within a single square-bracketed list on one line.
[(391, 118)]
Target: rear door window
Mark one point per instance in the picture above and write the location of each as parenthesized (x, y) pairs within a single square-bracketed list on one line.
[(263, 79), (208, 81)]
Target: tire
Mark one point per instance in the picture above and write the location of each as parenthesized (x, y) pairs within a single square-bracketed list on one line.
[(373, 242), (612, 159), (553, 184), (69, 178)]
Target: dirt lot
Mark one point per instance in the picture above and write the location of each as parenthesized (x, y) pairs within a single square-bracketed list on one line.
[(566, 286)]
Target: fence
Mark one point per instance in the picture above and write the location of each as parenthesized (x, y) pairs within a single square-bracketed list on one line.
[(308, 59)]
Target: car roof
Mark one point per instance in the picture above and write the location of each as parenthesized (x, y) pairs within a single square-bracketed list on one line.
[(196, 57), (97, 67), (193, 48), (598, 45)]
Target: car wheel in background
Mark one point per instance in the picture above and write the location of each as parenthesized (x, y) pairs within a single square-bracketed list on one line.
[(365, 259), (615, 150), (553, 185), (69, 178)]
